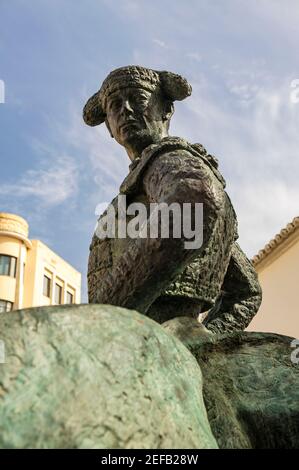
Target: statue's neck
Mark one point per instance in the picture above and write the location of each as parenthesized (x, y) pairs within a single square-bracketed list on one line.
[(135, 150), (135, 153)]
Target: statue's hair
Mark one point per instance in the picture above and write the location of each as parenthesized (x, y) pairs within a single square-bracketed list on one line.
[(174, 87)]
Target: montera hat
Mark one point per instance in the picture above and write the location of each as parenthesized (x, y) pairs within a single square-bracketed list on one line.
[(174, 87)]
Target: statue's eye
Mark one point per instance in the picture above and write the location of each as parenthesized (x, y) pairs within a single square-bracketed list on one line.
[(115, 105)]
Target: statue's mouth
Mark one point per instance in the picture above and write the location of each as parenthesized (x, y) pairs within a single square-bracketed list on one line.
[(129, 124)]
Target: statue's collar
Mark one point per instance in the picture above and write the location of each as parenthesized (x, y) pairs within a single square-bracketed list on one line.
[(132, 182), (151, 148), (134, 163)]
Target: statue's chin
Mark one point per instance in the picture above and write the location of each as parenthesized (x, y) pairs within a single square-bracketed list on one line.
[(141, 139)]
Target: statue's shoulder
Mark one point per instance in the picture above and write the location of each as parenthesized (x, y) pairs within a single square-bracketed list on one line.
[(132, 182)]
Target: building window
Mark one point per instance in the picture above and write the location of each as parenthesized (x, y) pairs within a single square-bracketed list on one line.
[(5, 306), (47, 286), (69, 298), (58, 294), (8, 265)]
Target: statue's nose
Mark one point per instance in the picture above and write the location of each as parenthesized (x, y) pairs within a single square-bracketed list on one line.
[(126, 107)]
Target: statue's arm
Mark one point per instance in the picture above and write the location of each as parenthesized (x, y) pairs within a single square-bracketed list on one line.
[(240, 297), (147, 265)]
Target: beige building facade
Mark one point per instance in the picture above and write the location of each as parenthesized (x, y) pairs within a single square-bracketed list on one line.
[(277, 265), (31, 274)]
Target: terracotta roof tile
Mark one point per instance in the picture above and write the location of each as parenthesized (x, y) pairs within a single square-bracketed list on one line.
[(276, 241)]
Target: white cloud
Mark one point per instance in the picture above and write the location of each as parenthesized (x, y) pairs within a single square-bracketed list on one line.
[(160, 43), (51, 185), (194, 56), (263, 209), (245, 92)]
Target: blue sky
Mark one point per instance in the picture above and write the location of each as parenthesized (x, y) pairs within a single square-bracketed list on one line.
[(240, 58)]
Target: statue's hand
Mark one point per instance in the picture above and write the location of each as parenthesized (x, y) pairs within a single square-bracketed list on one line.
[(189, 330)]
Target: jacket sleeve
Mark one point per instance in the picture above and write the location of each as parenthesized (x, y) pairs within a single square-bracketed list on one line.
[(240, 296)]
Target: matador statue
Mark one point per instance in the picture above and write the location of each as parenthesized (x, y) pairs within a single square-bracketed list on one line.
[(159, 277)]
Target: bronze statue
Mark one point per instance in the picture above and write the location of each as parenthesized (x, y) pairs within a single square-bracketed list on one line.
[(160, 277), (179, 372)]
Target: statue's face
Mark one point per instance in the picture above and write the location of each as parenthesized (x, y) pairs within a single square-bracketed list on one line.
[(136, 116)]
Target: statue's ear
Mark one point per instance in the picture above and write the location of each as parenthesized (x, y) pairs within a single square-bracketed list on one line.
[(109, 128)]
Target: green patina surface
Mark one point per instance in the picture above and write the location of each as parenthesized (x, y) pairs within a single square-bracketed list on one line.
[(250, 385), (97, 376)]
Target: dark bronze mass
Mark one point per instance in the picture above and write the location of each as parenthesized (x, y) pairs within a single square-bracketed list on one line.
[(160, 277)]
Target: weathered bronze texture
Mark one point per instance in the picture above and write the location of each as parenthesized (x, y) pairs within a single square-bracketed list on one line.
[(160, 277)]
